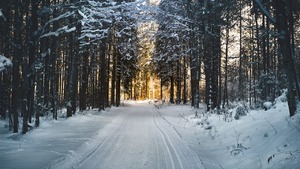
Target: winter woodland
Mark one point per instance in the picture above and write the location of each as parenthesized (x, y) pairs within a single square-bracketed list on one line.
[(208, 60)]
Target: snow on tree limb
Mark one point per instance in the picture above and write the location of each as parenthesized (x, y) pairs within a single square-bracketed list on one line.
[(4, 63), (60, 31), (1, 15), (65, 15)]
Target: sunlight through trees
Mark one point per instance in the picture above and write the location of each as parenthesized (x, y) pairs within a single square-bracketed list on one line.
[(83, 54)]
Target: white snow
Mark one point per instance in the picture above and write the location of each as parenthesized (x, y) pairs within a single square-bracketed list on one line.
[(82, 14), (263, 139), (60, 31), (141, 135), (1, 15), (51, 141), (267, 105), (4, 63)]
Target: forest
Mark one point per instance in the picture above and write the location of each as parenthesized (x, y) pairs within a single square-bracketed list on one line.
[(83, 54)]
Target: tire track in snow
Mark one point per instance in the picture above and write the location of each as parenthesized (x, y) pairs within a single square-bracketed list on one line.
[(109, 145), (118, 145), (186, 156), (156, 147), (108, 141), (175, 160)]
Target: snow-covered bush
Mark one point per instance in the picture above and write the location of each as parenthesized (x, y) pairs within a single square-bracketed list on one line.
[(240, 111), (267, 105), (227, 115), (282, 98)]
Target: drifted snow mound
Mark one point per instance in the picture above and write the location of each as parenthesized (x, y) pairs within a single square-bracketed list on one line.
[(267, 105), (4, 63)]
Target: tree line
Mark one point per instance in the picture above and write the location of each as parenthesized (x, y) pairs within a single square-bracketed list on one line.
[(244, 51), (81, 54), (65, 53)]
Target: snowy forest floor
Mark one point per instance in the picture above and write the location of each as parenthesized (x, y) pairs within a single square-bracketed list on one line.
[(141, 135)]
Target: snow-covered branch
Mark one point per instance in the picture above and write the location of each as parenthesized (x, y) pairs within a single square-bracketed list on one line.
[(60, 31), (1, 15), (4, 63)]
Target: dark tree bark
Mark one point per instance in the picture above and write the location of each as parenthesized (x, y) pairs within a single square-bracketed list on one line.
[(5, 47), (113, 76), (184, 81), (241, 85), (161, 89), (54, 75), (194, 61), (84, 80), (71, 77), (73, 70), (103, 76), (178, 82), (171, 89), (285, 50), (225, 90), (216, 52), (108, 76), (16, 65), (118, 80)]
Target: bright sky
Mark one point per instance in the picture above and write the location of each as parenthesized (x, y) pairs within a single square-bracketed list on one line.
[(156, 2)]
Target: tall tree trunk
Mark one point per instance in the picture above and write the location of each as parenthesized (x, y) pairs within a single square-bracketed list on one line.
[(84, 80), (108, 75), (70, 75), (178, 83), (257, 57), (285, 50), (184, 81), (241, 75), (39, 85), (103, 76), (54, 79), (5, 47), (216, 52), (194, 61), (161, 89), (225, 90), (113, 76), (73, 80), (172, 89), (118, 80), (118, 89), (47, 63), (76, 65), (54, 75), (26, 72), (33, 45), (16, 65)]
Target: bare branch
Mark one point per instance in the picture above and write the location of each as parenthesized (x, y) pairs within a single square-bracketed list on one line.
[(265, 11)]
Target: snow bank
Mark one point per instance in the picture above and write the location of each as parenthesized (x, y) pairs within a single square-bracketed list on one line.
[(4, 63), (53, 140), (267, 105), (261, 139)]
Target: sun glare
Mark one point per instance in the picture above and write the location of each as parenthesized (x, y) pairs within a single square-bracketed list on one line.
[(154, 2)]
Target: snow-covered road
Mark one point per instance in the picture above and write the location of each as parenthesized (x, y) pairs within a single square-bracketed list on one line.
[(138, 137)]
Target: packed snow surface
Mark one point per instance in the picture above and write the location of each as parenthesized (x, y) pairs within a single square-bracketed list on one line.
[(154, 136)]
